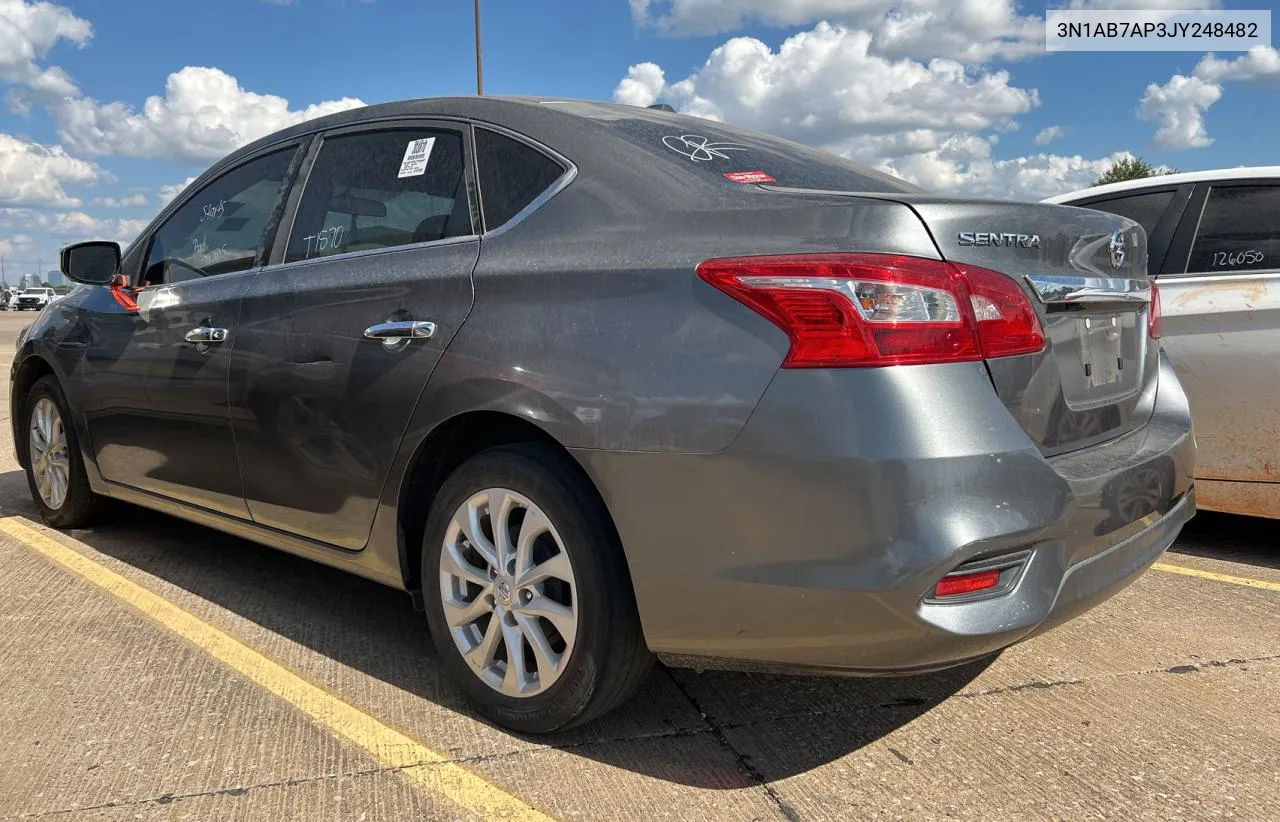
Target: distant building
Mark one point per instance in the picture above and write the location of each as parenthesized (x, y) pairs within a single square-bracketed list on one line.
[(55, 278)]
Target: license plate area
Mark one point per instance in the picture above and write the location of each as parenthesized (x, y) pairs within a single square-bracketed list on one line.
[(1102, 349), (1099, 355)]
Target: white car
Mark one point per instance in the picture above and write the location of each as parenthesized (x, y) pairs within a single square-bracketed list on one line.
[(34, 298), (1214, 249)]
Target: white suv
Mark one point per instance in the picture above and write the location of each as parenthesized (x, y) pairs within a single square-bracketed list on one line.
[(34, 298), (1214, 248)]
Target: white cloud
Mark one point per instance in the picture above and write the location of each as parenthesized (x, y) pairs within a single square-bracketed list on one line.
[(1179, 105), (28, 30), (972, 31), (1048, 135), (71, 226), (34, 174), (975, 173), (134, 200), (1259, 64), (15, 245), (822, 85), (203, 115), (933, 123), (642, 85), (167, 193), (963, 164)]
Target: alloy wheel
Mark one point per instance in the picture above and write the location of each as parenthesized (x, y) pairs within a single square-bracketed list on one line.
[(509, 594), (50, 461)]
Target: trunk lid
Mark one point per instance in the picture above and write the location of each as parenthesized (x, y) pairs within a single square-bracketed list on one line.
[(1085, 273)]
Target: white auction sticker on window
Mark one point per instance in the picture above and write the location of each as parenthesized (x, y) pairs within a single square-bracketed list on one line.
[(416, 157)]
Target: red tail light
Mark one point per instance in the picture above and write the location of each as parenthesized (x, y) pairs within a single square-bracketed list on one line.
[(843, 310), (1155, 320)]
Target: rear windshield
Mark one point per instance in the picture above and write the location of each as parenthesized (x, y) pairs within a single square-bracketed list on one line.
[(739, 157)]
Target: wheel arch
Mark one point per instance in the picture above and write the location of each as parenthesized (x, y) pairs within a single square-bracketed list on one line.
[(441, 452), (25, 375)]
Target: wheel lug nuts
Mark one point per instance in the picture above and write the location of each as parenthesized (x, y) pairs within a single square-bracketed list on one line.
[(526, 595)]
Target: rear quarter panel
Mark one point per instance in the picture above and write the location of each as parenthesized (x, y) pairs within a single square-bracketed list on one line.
[(590, 321)]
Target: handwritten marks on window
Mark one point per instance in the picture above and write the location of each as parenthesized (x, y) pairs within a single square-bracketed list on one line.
[(327, 240), (213, 211), (203, 255), (1237, 259)]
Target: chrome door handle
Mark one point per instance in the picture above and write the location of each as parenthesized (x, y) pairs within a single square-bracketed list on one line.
[(394, 333), (208, 336)]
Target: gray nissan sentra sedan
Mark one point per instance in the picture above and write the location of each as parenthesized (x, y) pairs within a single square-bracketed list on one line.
[(594, 382)]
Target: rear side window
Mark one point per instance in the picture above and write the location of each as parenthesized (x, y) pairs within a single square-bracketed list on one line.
[(382, 189), (1144, 209), (512, 175), (218, 231), (1239, 230)]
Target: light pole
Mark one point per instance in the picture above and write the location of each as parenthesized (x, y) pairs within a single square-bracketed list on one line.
[(479, 68)]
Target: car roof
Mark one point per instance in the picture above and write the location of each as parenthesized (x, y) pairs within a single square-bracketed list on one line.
[(518, 113), (1241, 173)]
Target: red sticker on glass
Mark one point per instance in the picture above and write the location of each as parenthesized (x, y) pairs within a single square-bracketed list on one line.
[(749, 177)]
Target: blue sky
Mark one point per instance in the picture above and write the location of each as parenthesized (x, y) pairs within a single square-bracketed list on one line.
[(954, 101)]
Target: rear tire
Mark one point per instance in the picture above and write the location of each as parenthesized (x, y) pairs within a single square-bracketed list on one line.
[(590, 662), (55, 467)]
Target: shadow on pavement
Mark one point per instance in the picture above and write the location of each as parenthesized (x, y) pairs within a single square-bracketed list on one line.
[(1232, 538), (375, 630)]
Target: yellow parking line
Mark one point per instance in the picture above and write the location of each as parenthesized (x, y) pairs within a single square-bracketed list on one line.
[(388, 746), (1248, 582)]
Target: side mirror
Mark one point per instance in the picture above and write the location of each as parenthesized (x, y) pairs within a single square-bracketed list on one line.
[(94, 262)]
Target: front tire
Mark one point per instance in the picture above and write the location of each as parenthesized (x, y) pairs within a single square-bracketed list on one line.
[(55, 468), (527, 595)]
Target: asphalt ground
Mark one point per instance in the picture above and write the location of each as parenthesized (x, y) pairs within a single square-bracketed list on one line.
[(152, 669)]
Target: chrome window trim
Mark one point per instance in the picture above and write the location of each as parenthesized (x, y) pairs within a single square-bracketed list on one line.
[(1195, 231), (561, 183), (370, 252), (159, 287)]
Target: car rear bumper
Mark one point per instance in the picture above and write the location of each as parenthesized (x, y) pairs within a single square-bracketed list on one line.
[(814, 541)]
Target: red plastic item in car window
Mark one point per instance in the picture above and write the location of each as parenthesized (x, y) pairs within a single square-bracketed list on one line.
[(123, 294)]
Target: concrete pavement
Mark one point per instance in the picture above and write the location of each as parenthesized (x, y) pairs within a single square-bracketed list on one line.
[(1162, 704)]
